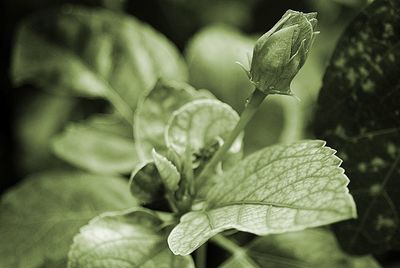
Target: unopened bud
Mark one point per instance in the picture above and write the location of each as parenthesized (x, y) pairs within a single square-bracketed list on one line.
[(280, 53)]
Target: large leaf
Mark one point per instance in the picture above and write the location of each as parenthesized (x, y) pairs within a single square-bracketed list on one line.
[(93, 53), (359, 114), (90, 146), (308, 248), (278, 189), (124, 240), (39, 218), (154, 112)]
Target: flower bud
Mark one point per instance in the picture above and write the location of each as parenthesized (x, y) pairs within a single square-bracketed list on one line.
[(280, 53)]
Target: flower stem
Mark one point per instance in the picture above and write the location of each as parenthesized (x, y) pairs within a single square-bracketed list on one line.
[(251, 108), (201, 256)]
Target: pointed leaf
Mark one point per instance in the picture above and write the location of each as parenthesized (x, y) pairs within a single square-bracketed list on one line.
[(275, 190), (124, 240), (39, 218), (168, 172)]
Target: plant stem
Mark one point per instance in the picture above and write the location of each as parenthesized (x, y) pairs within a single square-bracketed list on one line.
[(201, 256), (227, 244), (251, 108), (234, 249)]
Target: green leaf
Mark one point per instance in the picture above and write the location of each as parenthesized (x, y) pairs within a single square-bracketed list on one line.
[(36, 122), (89, 146), (111, 124), (201, 123), (93, 53), (359, 113), (308, 248), (278, 189), (132, 239), (154, 112), (146, 184), (168, 172), (39, 218)]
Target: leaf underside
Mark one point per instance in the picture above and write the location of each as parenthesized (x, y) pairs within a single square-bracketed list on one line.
[(278, 189)]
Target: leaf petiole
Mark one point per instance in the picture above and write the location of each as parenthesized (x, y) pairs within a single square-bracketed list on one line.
[(251, 108)]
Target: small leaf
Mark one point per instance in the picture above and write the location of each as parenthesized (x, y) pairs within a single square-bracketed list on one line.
[(168, 172), (359, 114), (93, 53), (154, 112), (201, 123), (146, 183), (122, 240), (86, 146), (308, 248), (39, 218), (278, 189)]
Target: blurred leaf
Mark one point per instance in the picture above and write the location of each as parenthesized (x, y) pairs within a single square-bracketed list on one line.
[(308, 248), (37, 121), (94, 149), (212, 55), (359, 114), (93, 53), (278, 189), (39, 218), (111, 124), (124, 240)]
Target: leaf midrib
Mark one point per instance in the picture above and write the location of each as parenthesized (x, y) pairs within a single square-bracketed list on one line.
[(271, 204)]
